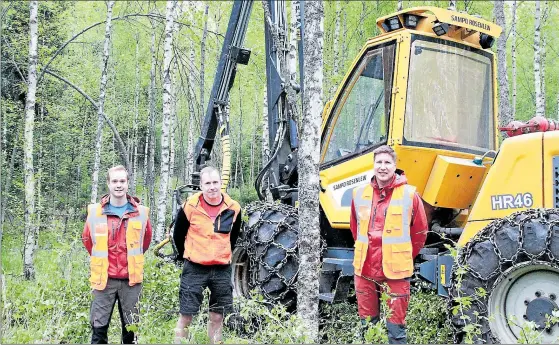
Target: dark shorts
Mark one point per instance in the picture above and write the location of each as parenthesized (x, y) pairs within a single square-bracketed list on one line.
[(195, 278)]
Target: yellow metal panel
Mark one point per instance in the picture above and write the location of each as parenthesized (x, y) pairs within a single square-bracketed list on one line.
[(453, 182), (550, 177), (514, 182), (417, 162), (339, 182)]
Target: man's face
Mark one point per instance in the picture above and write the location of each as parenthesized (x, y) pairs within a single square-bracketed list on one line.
[(210, 183), (385, 167), (118, 184)]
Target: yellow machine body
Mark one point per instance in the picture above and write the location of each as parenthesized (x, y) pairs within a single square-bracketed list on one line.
[(432, 168), (436, 127)]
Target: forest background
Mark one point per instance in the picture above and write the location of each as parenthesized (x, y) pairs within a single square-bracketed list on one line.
[(46, 298)]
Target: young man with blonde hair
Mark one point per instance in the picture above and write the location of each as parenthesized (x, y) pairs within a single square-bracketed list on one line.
[(116, 234), (389, 226)]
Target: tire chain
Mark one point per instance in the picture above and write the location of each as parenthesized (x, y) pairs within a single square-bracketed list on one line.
[(256, 249), (548, 217)]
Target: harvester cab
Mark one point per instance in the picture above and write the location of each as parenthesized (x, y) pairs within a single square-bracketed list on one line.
[(425, 86)]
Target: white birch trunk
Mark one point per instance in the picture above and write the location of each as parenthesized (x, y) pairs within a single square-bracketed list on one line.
[(308, 156), (101, 104), (502, 76), (452, 5), (265, 145), (151, 128), (191, 117), (203, 60), (293, 32), (133, 172), (30, 240), (336, 50), (400, 5), (513, 58), (165, 128), (540, 101), (542, 62)]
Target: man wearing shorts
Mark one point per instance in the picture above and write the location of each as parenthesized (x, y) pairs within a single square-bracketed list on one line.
[(206, 229)]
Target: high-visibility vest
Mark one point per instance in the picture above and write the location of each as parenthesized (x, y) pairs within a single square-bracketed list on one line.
[(208, 242), (99, 263), (397, 257)]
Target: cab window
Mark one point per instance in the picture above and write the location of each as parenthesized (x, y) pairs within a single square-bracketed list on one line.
[(359, 121)]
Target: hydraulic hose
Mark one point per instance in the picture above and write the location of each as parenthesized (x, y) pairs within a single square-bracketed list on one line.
[(436, 227)]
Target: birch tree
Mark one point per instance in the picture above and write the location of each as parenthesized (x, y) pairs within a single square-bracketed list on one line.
[(165, 128), (513, 58), (30, 241), (309, 240), (151, 127), (101, 104), (335, 47), (452, 5), (203, 59), (540, 98), (504, 104), (400, 5), (265, 145), (134, 169), (191, 117)]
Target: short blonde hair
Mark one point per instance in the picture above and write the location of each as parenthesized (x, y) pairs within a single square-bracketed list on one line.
[(385, 149), (208, 170), (116, 168)]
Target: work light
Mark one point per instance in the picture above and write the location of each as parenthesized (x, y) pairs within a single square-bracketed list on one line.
[(440, 28)]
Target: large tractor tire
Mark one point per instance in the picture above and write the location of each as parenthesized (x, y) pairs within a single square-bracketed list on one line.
[(510, 273), (266, 257)]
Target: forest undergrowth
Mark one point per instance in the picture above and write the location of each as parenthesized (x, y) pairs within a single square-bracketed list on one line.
[(55, 307)]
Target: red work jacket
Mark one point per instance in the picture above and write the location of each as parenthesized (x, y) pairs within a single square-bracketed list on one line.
[(372, 267)]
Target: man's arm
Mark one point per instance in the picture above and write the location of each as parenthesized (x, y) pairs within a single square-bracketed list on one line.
[(86, 238), (236, 230), (419, 227), (353, 221), (147, 236), (181, 229)]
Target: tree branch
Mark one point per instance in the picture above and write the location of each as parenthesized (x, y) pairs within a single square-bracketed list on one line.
[(120, 144), (149, 15)]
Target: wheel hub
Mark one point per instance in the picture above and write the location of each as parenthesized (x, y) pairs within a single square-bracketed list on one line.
[(525, 292), (538, 310)]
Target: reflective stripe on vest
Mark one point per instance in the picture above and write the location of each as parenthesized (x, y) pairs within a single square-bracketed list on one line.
[(397, 260), (135, 232), (206, 242)]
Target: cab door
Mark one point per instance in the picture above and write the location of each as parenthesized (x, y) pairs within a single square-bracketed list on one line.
[(358, 122)]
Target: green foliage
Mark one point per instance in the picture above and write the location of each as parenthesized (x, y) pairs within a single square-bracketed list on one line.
[(244, 195)]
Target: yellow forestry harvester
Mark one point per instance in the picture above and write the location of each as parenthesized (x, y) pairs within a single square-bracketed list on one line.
[(426, 86)]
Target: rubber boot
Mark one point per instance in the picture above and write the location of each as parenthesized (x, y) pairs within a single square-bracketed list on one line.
[(396, 333), (100, 335)]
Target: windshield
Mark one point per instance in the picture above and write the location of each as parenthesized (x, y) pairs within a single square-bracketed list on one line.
[(449, 97)]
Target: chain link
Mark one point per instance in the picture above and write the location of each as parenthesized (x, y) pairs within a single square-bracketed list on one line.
[(265, 216), (548, 218)]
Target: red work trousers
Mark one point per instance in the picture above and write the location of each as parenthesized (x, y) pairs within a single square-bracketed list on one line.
[(368, 297)]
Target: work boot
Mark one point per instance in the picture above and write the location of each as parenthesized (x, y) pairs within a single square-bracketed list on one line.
[(128, 337), (365, 324), (396, 333), (100, 335)]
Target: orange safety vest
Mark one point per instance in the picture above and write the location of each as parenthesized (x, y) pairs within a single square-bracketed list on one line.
[(135, 231), (207, 242), (397, 259)]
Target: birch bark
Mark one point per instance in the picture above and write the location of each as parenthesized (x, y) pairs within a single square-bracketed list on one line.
[(30, 232), (308, 156), (166, 123), (101, 104)]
